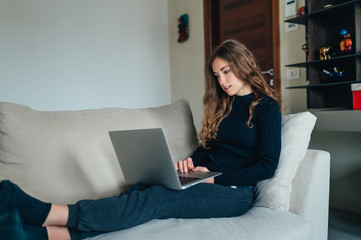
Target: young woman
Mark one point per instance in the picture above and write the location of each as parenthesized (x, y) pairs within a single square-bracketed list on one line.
[(240, 136)]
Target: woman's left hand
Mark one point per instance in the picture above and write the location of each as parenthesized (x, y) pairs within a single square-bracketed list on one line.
[(203, 169)]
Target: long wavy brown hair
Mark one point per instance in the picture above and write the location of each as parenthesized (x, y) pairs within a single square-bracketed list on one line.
[(217, 103)]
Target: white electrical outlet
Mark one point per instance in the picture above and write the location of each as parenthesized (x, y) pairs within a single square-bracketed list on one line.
[(293, 74)]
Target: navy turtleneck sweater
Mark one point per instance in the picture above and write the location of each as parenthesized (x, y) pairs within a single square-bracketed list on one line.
[(244, 155)]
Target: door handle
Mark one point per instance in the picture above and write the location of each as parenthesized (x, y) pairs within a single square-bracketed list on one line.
[(270, 72)]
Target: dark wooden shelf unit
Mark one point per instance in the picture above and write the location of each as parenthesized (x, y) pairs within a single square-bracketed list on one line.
[(323, 27)]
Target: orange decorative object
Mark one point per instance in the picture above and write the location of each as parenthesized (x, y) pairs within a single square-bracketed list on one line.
[(305, 48), (346, 45), (301, 11), (346, 42)]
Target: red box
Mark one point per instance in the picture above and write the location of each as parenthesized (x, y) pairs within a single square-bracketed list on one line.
[(356, 95)]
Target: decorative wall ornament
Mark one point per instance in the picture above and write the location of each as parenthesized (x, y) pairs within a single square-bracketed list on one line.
[(183, 29)]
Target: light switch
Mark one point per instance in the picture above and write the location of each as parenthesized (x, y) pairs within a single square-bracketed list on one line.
[(293, 74)]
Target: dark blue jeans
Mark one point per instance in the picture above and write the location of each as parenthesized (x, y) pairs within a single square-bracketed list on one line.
[(140, 204)]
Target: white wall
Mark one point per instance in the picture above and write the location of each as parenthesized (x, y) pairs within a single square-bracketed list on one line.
[(188, 58), (294, 100), (60, 55)]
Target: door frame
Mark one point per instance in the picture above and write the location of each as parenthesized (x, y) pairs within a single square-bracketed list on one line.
[(210, 17)]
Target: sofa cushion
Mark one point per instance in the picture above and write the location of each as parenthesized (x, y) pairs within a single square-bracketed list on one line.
[(257, 224), (65, 156), (296, 133)]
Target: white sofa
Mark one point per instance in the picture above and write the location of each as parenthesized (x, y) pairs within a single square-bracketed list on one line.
[(64, 156)]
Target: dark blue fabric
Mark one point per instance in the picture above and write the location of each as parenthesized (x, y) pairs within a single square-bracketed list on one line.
[(31, 210), (245, 155), (13, 228), (140, 204)]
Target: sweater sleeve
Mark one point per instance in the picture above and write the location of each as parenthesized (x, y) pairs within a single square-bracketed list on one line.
[(199, 155), (268, 119)]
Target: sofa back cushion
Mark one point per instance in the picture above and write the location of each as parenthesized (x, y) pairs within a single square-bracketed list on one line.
[(296, 132), (64, 156)]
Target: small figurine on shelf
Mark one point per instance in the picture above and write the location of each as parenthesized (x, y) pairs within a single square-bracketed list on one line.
[(325, 53), (346, 42), (301, 11), (305, 48), (335, 75)]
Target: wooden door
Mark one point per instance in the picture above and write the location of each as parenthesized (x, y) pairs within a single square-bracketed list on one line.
[(252, 22)]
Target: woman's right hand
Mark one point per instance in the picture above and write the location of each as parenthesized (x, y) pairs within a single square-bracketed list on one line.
[(184, 165)]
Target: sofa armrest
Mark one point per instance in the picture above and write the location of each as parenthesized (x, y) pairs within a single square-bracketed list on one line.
[(310, 191)]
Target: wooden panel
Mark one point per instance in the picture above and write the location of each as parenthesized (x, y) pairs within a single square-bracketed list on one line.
[(357, 42), (318, 4), (250, 22), (358, 28), (211, 25)]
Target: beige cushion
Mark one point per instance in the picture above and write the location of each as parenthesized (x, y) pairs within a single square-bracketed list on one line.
[(296, 130), (64, 156)]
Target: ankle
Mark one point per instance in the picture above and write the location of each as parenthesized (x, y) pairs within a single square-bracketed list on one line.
[(58, 216), (58, 233)]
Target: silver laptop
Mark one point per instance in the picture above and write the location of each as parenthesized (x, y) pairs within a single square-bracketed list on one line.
[(144, 157)]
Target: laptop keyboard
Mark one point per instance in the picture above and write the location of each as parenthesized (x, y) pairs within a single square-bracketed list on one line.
[(186, 180)]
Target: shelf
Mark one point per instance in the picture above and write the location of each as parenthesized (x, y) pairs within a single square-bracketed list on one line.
[(324, 84), (298, 20), (303, 20), (332, 84), (322, 29), (297, 87), (303, 64), (334, 9), (344, 57)]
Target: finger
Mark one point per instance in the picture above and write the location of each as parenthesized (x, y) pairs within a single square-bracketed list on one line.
[(180, 163), (176, 166), (185, 165), (190, 163)]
